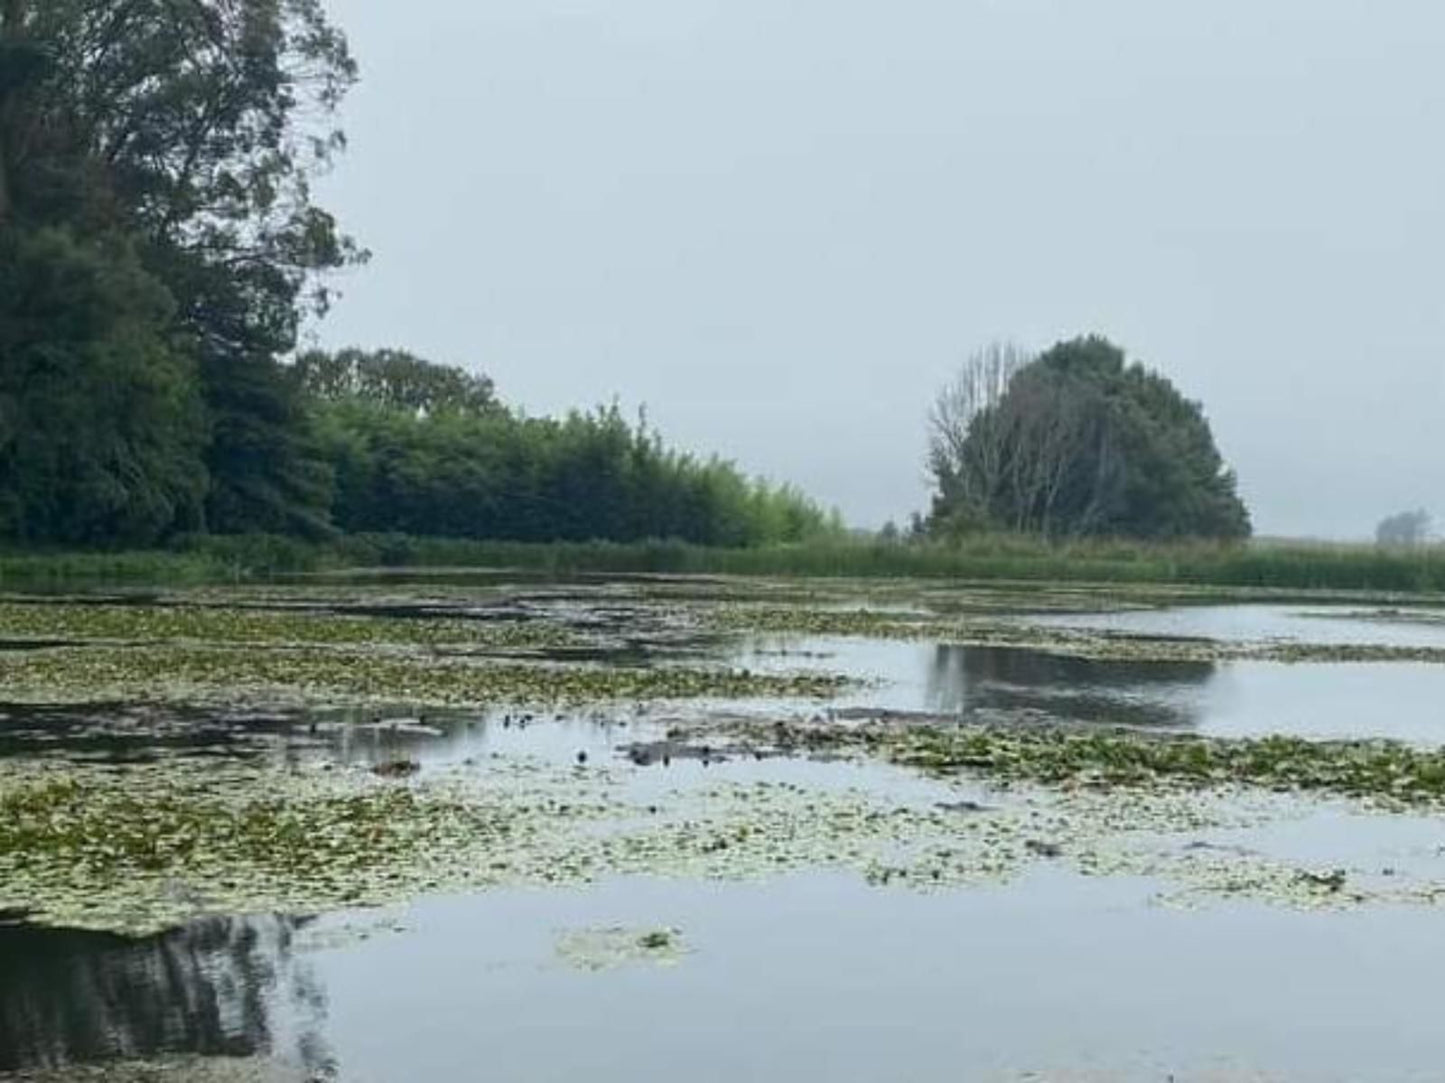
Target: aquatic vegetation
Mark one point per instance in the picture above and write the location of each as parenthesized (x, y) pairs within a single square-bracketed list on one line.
[(218, 624), (1073, 757), (165, 836), (314, 675), (615, 946), (1385, 770), (994, 632), (138, 849)]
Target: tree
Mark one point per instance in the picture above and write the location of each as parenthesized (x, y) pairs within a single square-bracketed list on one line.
[(1081, 443), (435, 454), (186, 133), (968, 472), (101, 424), (394, 378), (1404, 529)]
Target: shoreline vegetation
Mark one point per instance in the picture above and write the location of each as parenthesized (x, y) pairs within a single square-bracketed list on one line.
[(1278, 566)]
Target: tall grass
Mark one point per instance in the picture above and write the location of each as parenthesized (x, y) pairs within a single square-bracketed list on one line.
[(65, 569), (1283, 566)]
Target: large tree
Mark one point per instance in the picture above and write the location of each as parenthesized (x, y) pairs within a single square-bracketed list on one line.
[(186, 133), (1078, 442)]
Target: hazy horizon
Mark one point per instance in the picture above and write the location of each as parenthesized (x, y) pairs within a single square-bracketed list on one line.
[(780, 229)]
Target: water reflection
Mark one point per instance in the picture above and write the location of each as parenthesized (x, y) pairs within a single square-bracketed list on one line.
[(989, 679), (127, 732), (212, 988)]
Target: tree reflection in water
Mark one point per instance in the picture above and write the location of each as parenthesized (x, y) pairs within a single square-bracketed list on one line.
[(212, 988), (982, 680)]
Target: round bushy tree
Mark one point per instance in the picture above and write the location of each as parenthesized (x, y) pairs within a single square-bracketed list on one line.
[(1081, 442)]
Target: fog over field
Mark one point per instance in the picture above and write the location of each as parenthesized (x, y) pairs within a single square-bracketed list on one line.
[(780, 226)]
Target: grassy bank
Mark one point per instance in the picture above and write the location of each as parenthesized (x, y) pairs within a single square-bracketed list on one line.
[(1278, 566)]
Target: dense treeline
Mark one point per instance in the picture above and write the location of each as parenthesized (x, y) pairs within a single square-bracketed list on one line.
[(422, 449), (1077, 442), (159, 250)]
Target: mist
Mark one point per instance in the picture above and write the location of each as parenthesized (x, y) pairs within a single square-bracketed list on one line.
[(780, 227)]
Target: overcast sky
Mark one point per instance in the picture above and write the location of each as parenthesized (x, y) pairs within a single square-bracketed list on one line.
[(781, 223)]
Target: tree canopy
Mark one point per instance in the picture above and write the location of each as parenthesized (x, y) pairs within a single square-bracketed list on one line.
[(161, 250), (1077, 441), (419, 448)]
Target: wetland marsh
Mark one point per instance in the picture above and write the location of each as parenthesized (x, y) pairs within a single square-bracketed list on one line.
[(381, 828)]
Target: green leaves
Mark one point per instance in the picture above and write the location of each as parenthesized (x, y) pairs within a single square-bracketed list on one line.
[(1383, 770), (100, 423), (1080, 443), (419, 449), (161, 248)]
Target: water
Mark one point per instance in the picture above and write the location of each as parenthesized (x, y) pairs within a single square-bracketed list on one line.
[(1402, 700), (806, 975), (1321, 625), (813, 977)]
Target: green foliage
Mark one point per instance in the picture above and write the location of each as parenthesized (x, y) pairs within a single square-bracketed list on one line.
[(267, 473), (396, 379), (431, 454), (100, 422), (984, 557), (162, 248), (175, 142), (1079, 443), (1219, 570)]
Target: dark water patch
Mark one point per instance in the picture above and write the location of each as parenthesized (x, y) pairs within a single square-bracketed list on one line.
[(220, 987), (815, 977), (999, 679), (128, 732)]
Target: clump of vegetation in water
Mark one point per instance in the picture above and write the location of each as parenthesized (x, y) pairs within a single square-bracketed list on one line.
[(615, 946), (1384, 770), (141, 848), (225, 625), (209, 674)]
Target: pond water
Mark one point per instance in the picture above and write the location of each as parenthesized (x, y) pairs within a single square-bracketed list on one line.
[(1402, 700), (1334, 625), (1044, 973), (812, 977)]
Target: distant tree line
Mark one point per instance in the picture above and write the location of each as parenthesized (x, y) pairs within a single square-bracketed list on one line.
[(159, 251), (1404, 529), (1076, 442)]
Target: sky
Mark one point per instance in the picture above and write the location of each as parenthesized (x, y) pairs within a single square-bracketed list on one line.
[(780, 225)]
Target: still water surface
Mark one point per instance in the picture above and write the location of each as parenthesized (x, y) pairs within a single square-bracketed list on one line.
[(807, 977), (1403, 700), (813, 976)]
